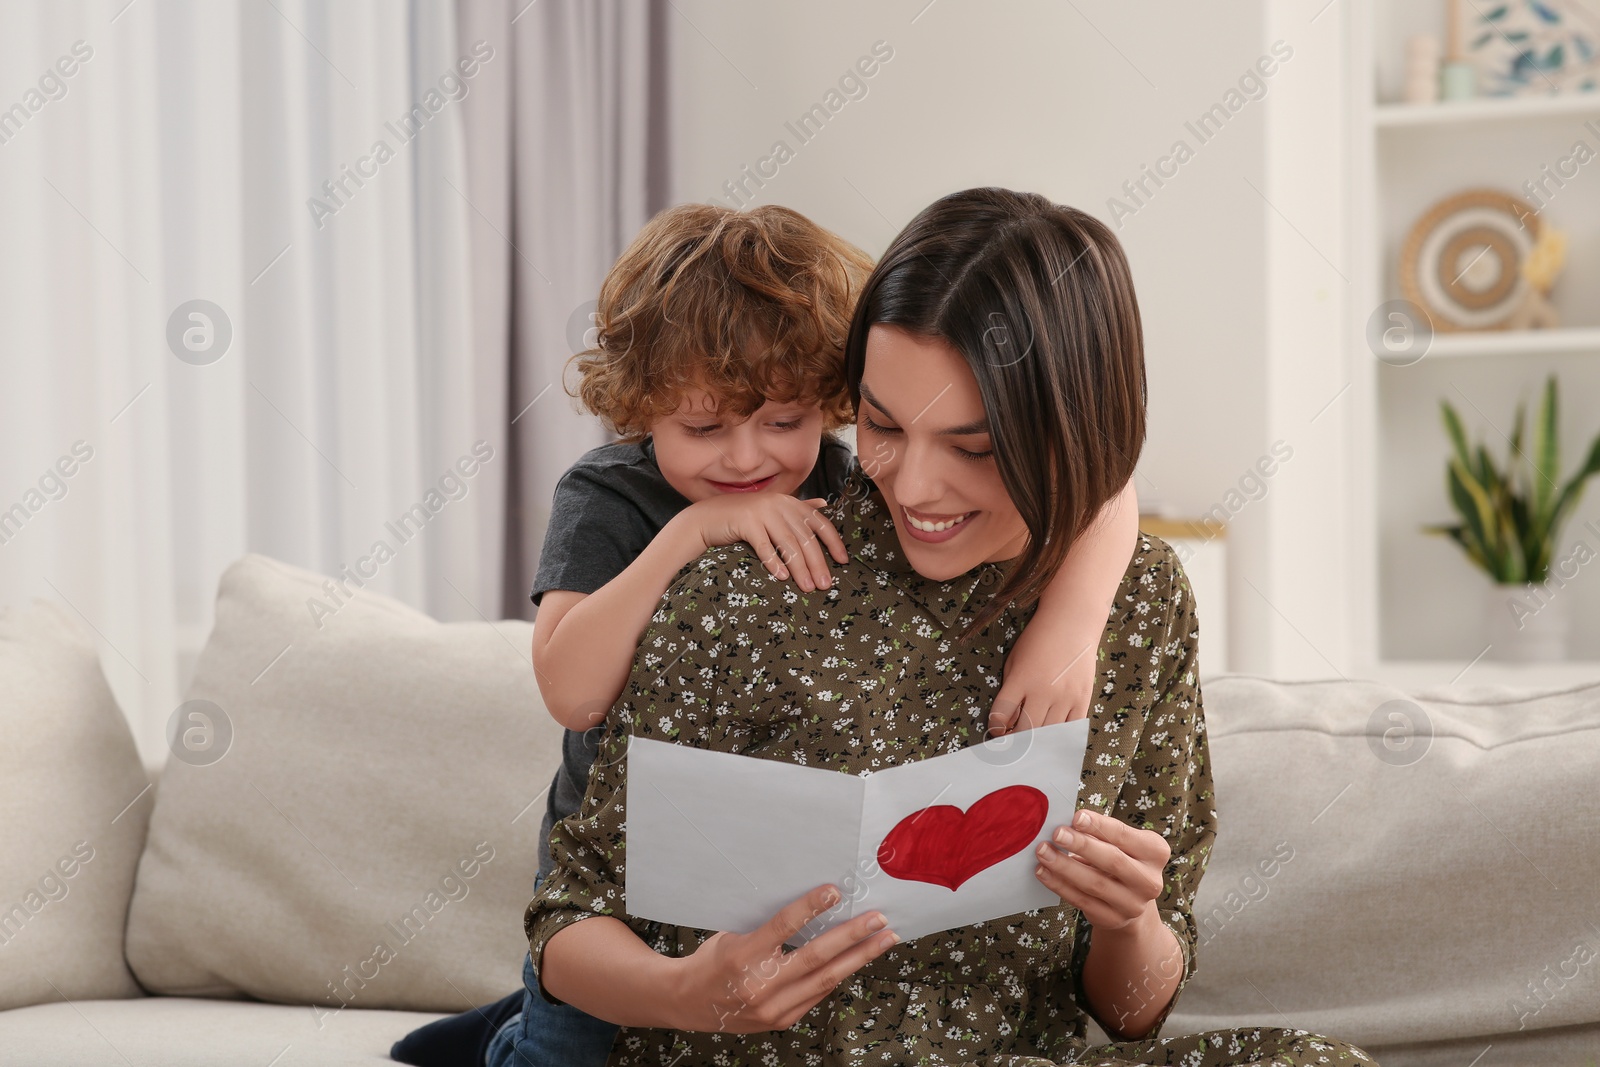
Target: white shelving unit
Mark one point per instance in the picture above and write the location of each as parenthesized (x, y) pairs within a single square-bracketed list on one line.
[(1488, 109), (1415, 602), (1515, 342)]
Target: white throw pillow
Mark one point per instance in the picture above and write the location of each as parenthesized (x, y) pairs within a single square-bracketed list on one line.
[(354, 820), (73, 804)]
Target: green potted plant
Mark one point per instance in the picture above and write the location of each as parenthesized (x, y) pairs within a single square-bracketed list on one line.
[(1510, 523)]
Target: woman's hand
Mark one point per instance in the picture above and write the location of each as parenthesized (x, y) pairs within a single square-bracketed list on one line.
[(1110, 871), (787, 533), (1040, 686), (747, 983)]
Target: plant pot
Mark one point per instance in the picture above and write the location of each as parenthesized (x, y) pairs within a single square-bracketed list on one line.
[(1528, 623)]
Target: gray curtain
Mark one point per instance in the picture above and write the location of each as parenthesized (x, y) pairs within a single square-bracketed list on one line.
[(566, 150)]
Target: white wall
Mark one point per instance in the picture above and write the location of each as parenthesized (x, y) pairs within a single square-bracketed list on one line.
[(1072, 100)]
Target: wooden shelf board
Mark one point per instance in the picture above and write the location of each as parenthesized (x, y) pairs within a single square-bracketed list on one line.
[(1168, 528)]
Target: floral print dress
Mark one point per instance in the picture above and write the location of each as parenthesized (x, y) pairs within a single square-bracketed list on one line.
[(866, 675)]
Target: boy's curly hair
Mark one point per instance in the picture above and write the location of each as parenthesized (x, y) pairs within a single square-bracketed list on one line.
[(751, 306)]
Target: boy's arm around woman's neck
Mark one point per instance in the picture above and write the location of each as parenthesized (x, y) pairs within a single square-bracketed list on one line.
[(584, 644)]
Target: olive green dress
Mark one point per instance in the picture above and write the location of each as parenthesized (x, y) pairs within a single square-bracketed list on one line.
[(864, 676)]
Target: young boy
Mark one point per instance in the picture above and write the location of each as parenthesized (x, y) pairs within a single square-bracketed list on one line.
[(719, 366)]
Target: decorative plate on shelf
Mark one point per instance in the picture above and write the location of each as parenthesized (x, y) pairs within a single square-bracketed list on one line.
[(1462, 261)]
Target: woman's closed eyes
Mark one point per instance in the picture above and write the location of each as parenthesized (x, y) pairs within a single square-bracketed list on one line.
[(868, 422)]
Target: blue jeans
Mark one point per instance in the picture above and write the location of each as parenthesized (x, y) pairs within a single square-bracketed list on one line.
[(549, 1035)]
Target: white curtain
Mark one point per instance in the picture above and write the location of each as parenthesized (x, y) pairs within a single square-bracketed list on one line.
[(174, 163), (399, 210)]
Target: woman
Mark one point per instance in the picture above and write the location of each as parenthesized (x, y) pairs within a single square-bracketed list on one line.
[(997, 366)]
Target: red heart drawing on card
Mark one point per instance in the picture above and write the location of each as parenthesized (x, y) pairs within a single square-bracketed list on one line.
[(946, 846)]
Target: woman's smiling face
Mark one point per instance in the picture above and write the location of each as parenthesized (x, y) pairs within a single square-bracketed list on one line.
[(923, 437)]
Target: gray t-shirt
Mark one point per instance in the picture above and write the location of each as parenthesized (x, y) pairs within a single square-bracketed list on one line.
[(607, 508)]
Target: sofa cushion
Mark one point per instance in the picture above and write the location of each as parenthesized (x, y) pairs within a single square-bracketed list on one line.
[(356, 821), (184, 1032), (74, 805), (1400, 871)]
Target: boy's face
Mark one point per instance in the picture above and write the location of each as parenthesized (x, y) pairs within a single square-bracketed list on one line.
[(702, 455)]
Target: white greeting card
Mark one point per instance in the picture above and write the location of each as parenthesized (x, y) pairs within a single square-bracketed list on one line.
[(720, 841)]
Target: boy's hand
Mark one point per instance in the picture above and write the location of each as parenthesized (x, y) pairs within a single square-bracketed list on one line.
[(1046, 681), (787, 533)]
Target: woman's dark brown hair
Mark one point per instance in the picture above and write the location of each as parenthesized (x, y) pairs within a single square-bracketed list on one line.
[(1038, 298)]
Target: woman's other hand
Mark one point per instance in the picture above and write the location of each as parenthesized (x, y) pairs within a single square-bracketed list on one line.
[(1111, 872), (747, 983), (1041, 686), (787, 534)]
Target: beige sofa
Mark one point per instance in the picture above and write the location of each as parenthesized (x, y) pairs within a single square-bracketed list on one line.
[(341, 847)]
